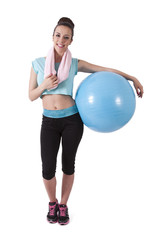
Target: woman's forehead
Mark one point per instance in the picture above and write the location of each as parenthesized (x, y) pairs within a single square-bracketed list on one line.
[(63, 30)]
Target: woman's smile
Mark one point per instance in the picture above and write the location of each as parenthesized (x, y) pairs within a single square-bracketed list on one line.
[(60, 45)]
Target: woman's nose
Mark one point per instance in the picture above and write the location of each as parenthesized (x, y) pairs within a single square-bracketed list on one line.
[(61, 40)]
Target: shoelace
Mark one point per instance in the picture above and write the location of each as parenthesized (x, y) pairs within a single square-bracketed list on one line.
[(63, 212), (52, 210)]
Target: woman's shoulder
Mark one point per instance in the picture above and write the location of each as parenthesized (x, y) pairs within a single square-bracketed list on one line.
[(74, 60), (74, 65), (38, 63)]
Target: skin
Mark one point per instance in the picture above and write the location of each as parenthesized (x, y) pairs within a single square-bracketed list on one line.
[(62, 38)]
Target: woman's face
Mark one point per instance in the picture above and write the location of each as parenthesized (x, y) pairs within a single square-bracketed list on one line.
[(62, 38)]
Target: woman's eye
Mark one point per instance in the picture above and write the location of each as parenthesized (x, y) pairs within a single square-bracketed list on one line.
[(66, 38)]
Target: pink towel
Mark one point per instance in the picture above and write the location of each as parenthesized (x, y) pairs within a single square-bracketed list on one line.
[(64, 67)]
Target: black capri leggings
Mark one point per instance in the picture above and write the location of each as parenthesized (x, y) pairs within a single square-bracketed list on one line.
[(70, 130)]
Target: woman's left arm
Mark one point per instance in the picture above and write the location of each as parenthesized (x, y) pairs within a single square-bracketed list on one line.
[(86, 67)]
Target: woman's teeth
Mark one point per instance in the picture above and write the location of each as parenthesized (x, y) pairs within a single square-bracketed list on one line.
[(60, 45)]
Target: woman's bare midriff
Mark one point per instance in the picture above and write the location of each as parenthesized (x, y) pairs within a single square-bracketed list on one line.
[(57, 102)]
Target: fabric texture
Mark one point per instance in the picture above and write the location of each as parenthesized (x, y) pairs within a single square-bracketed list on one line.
[(64, 66), (53, 130), (60, 113)]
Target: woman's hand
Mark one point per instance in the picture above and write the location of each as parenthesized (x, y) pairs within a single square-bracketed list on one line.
[(51, 81), (138, 87)]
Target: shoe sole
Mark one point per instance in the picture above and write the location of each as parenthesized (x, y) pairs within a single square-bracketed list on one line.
[(63, 223), (51, 221)]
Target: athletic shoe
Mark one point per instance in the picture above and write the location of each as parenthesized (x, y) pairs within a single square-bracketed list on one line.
[(63, 217), (52, 214)]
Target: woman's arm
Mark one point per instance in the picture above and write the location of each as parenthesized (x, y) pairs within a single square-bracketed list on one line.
[(35, 91), (84, 66)]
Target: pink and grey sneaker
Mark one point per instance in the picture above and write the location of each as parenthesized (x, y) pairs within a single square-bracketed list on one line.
[(63, 217), (52, 214)]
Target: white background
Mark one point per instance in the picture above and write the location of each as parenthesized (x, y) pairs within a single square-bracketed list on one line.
[(116, 190)]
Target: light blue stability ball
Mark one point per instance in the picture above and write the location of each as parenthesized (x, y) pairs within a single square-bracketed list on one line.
[(106, 101)]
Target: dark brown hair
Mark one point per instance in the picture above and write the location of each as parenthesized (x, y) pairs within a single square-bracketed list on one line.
[(64, 21)]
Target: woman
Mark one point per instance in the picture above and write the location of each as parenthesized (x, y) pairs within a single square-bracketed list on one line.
[(61, 119)]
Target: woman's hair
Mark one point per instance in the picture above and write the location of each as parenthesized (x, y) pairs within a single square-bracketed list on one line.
[(64, 21)]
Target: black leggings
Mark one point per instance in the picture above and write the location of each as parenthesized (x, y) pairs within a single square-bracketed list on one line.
[(70, 130)]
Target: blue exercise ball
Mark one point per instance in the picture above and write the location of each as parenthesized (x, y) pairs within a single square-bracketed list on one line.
[(105, 101)]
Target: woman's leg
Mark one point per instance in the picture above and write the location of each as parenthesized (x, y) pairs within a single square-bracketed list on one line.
[(71, 137), (50, 186), (67, 184), (50, 141)]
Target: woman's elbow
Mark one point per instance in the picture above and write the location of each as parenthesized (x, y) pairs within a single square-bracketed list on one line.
[(31, 98)]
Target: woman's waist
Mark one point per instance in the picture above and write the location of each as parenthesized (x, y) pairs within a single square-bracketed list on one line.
[(57, 102), (60, 113)]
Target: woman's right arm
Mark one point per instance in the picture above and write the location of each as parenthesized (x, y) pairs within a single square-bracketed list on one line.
[(35, 91)]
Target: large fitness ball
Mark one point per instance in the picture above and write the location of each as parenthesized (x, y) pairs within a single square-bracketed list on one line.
[(106, 101)]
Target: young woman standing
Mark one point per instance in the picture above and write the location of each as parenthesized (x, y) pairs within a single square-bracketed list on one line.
[(61, 120)]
